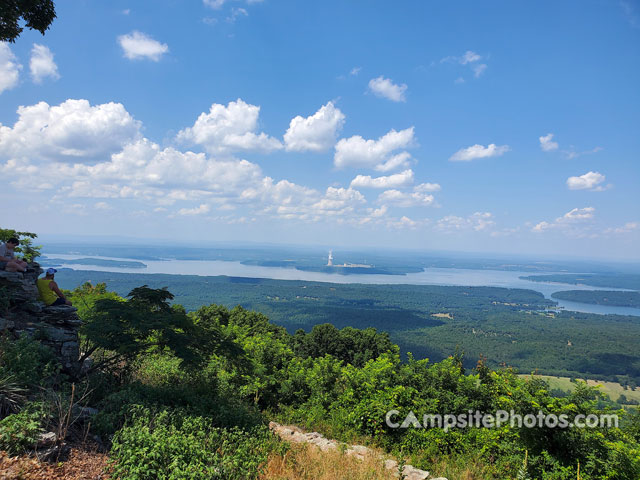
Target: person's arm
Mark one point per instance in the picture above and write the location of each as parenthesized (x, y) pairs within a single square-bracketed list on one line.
[(54, 286), (3, 252)]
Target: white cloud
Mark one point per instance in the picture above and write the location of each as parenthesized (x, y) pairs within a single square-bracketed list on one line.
[(9, 68), (236, 13), (427, 187), (102, 206), (42, 64), (355, 71), (228, 129), (71, 131), (137, 45), (203, 208), (577, 215), (478, 70), (478, 221), (469, 57), (478, 151), (401, 160), (571, 154), (385, 88), (572, 217), (396, 180), (547, 144), (357, 152), (406, 199), (626, 228), (316, 133), (588, 181)]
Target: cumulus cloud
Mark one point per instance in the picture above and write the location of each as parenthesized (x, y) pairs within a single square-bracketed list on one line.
[(137, 45), (401, 160), (9, 68), (396, 180), (406, 199), (41, 64), (572, 217), (357, 152), (588, 181), (479, 151), (71, 131), (316, 133), (547, 144), (427, 187), (228, 129), (385, 88), (199, 210), (478, 221)]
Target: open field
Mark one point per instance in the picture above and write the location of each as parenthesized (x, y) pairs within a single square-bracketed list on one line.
[(612, 389)]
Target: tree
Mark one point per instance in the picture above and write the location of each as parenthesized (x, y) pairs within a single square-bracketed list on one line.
[(29, 251), (37, 15), (146, 323)]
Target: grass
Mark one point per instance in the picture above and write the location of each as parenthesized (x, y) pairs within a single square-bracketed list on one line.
[(612, 389), (305, 462)]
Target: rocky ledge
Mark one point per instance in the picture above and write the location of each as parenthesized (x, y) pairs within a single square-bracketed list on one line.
[(296, 435), (21, 313)]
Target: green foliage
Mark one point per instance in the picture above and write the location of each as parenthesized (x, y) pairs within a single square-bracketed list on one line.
[(349, 344), (174, 444), (27, 362), (12, 395), (142, 325), (37, 15), (19, 432), (29, 251), (505, 325)]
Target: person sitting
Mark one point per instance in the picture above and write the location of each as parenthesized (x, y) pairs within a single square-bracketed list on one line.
[(8, 260), (49, 291)]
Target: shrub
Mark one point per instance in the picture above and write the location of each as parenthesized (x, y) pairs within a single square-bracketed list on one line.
[(19, 432), (27, 361), (173, 444)]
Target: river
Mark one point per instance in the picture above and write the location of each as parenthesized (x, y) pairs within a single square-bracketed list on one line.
[(430, 276)]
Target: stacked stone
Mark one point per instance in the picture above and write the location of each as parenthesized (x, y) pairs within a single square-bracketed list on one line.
[(294, 434), (57, 327)]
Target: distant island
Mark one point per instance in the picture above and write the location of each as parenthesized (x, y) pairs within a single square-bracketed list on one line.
[(96, 262), (600, 297), (629, 281)]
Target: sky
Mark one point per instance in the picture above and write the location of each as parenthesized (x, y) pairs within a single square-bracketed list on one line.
[(497, 127)]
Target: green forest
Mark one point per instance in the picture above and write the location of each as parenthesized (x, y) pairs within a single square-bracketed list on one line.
[(507, 326), (188, 396), (601, 297)]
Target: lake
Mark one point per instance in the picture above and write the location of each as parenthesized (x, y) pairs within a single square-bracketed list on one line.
[(430, 276)]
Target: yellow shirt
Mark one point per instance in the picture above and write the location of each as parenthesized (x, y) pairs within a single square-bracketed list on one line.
[(47, 295)]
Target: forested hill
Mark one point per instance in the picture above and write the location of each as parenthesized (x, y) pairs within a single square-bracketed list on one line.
[(507, 326), (628, 281), (601, 297)]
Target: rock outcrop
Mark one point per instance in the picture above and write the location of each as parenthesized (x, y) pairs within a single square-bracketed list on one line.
[(296, 435), (21, 313)]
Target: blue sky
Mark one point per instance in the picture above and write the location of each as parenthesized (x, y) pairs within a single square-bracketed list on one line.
[(474, 126)]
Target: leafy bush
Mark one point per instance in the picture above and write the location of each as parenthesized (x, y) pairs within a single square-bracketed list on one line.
[(27, 361), (174, 444), (19, 432)]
